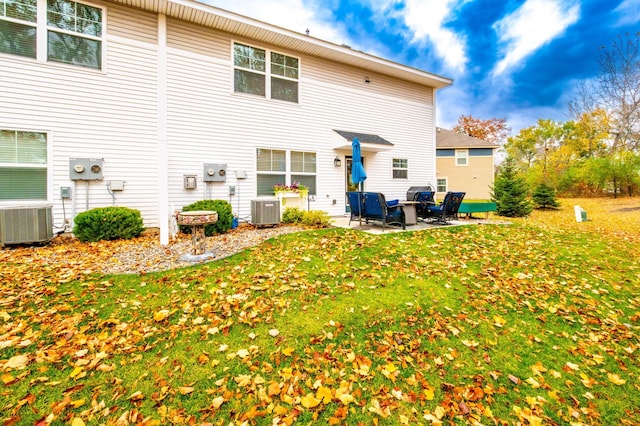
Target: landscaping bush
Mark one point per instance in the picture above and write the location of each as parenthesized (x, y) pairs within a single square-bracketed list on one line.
[(108, 223), (544, 197), (225, 216), (316, 219), (292, 215)]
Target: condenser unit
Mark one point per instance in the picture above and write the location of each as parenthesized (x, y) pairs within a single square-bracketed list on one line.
[(23, 225), (265, 212)]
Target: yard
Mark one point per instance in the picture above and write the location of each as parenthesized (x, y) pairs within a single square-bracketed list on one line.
[(535, 322)]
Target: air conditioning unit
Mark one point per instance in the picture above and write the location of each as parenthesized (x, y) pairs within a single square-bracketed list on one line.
[(23, 225), (265, 212)]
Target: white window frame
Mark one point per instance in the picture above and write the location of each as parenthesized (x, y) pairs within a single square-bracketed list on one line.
[(397, 167), (25, 23), (42, 36), (438, 184), (53, 29), (462, 157), (280, 174), (287, 176), (268, 75), (46, 166), (306, 173)]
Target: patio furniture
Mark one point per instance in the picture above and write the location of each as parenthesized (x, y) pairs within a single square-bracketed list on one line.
[(356, 205), (415, 189), (470, 208), (376, 208), (409, 209), (447, 209), (424, 200)]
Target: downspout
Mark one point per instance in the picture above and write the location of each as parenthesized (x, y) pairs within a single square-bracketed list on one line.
[(163, 155)]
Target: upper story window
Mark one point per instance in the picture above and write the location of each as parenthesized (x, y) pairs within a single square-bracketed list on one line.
[(400, 168), (23, 165), (273, 76), (74, 31), (462, 157), (18, 27)]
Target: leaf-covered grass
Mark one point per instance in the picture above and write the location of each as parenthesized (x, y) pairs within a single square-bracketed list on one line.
[(533, 322)]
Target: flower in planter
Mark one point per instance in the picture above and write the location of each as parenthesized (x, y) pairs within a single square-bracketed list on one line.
[(295, 187)]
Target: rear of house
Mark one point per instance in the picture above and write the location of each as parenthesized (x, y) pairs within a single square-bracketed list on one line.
[(155, 105)]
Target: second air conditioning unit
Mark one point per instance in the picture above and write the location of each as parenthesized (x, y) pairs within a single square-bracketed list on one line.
[(265, 212)]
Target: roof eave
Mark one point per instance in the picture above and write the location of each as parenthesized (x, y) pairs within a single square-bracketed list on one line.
[(226, 21)]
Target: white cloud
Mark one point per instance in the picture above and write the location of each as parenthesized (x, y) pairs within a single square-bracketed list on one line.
[(534, 24), (629, 12), (426, 19)]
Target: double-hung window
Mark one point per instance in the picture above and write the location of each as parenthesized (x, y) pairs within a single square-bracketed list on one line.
[(441, 185), (272, 169), (400, 168), (462, 157), (267, 74), (23, 165), (18, 27), (74, 31), (303, 169)]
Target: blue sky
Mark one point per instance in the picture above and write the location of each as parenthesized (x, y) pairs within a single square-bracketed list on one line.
[(513, 59)]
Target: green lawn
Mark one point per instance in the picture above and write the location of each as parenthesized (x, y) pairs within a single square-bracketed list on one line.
[(535, 322)]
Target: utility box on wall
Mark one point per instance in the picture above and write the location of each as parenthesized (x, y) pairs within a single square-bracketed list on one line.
[(85, 168), (214, 172)]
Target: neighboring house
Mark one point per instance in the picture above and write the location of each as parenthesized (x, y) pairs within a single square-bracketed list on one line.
[(154, 105), (464, 163)]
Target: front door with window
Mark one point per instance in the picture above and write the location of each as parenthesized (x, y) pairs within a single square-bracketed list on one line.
[(348, 182)]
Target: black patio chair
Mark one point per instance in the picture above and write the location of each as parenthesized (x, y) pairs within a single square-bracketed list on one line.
[(425, 199), (378, 209), (356, 205), (447, 209)]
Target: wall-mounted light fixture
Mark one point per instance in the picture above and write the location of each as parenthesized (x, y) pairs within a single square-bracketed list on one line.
[(337, 162), (367, 79)]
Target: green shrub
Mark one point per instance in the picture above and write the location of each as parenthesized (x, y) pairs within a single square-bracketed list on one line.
[(316, 218), (225, 216), (292, 215), (108, 223), (544, 197)]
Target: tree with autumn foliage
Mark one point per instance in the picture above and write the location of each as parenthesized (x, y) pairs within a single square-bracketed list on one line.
[(494, 130)]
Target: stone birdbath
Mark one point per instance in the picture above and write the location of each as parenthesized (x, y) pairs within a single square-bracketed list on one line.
[(197, 220)]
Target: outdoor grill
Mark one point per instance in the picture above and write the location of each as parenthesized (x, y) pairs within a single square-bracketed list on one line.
[(411, 192)]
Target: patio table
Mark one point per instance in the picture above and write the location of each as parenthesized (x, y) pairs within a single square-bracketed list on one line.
[(409, 209)]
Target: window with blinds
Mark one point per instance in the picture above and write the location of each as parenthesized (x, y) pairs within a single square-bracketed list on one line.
[(23, 165)]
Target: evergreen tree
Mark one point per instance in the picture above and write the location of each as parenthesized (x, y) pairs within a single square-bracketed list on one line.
[(509, 192), (544, 197)]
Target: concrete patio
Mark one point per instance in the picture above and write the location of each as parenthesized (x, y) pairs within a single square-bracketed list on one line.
[(376, 227)]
